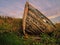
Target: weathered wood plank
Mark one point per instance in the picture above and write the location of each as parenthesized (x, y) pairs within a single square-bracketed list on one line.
[(35, 22)]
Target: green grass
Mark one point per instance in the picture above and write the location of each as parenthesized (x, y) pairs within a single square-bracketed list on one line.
[(12, 39), (15, 36), (9, 39)]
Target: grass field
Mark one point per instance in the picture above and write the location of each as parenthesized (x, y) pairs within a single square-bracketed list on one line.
[(11, 34)]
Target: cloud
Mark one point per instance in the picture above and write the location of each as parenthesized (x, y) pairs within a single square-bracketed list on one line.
[(54, 16), (43, 4), (12, 13), (14, 10)]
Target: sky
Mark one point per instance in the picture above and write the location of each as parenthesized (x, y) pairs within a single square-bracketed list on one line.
[(15, 8)]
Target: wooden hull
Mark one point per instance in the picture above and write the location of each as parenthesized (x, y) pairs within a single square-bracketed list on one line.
[(34, 22)]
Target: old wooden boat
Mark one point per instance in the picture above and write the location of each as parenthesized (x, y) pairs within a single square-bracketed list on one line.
[(34, 22)]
